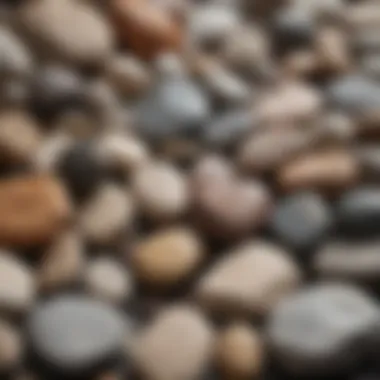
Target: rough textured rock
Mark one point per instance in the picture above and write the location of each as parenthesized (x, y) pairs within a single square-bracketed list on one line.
[(160, 351), (252, 279)]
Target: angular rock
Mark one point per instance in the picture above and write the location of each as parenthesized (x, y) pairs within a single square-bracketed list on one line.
[(33, 209), (318, 329), (160, 351), (252, 279)]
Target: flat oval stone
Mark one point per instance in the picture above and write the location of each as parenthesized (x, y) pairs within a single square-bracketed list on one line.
[(317, 330), (359, 212), (75, 334), (33, 210), (174, 107), (301, 220)]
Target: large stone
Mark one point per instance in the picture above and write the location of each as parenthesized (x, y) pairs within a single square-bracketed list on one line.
[(251, 279), (162, 353), (75, 334), (322, 330), (33, 210)]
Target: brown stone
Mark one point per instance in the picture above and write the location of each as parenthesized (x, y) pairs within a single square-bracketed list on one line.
[(328, 170), (239, 352), (167, 257), (146, 28), (33, 210)]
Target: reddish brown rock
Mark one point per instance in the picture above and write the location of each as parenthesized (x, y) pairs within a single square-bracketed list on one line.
[(146, 28), (329, 170), (33, 210)]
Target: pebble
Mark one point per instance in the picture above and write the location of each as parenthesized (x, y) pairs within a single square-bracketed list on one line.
[(302, 221), (225, 206), (358, 212), (251, 280), (122, 153), (317, 330), (239, 351), (173, 107), (33, 209), (167, 257), (107, 279), (46, 24), (11, 347), (145, 27), (161, 191), (107, 215), (75, 334), (17, 290), (62, 263), (326, 170), (345, 259), (162, 353), (16, 59), (229, 128), (56, 89), (354, 94), (81, 169), (130, 76), (289, 102), (265, 151), (20, 137), (368, 156)]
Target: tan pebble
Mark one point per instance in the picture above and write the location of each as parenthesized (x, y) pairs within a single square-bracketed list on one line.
[(109, 280), (17, 284), (33, 209), (68, 30), (326, 171), (145, 27), (250, 279), (20, 137), (121, 152), (290, 101), (167, 257), (239, 352), (10, 346), (176, 345), (106, 215), (63, 262), (161, 191), (267, 150), (128, 75)]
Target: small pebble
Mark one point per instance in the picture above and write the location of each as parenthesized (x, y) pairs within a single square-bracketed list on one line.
[(161, 352), (161, 191), (302, 221), (251, 280), (240, 352), (107, 279), (167, 257), (107, 215), (17, 285), (11, 347)]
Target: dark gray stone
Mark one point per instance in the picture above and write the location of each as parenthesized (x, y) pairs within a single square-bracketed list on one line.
[(359, 212), (301, 221), (74, 334), (322, 330), (174, 107)]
